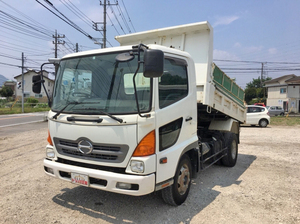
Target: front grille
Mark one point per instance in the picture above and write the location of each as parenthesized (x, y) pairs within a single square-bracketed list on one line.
[(91, 166), (101, 152)]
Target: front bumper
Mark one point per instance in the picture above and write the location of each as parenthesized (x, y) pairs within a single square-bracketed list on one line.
[(107, 181)]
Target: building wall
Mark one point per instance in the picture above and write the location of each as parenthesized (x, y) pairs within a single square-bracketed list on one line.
[(294, 91), (274, 92)]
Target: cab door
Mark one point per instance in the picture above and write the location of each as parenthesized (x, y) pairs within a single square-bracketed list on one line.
[(176, 115)]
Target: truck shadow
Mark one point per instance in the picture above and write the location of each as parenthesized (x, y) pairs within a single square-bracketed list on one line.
[(117, 208)]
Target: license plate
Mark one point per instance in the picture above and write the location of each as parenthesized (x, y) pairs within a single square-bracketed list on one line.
[(80, 179)]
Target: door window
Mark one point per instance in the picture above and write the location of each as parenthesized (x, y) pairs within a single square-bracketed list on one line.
[(173, 85)]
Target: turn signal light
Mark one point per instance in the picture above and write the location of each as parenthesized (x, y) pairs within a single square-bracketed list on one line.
[(146, 147), (49, 139)]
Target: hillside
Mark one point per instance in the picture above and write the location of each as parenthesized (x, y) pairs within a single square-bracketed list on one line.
[(2, 80)]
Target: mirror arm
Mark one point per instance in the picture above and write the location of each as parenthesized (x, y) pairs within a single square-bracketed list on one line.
[(134, 84), (135, 93), (139, 47), (43, 81)]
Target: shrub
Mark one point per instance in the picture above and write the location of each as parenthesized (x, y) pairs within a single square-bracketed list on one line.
[(41, 105), (32, 102)]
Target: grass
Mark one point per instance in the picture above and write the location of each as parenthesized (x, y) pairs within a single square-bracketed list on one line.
[(285, 121), (18, 110)]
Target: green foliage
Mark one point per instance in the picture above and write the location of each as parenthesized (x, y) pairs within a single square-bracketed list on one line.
[(258, 100), (32, 102), (3, 102), (6, 91), (41, 105), (256, 83), (18, 110), (250, 93), (254, 93)]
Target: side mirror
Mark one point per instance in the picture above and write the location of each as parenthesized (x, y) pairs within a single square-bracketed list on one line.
[(37, 83), (153, 63)]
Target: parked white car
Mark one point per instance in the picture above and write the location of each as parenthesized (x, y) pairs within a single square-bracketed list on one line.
[(257, 115)]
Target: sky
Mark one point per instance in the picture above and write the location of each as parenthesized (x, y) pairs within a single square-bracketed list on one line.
[(249, 35)]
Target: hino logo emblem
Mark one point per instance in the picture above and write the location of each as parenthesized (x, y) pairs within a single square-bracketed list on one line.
[(85, 147)]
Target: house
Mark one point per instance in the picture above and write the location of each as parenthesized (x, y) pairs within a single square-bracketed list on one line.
[(284, 91), (42, 97)]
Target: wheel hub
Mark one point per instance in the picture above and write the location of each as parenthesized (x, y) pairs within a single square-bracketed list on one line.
[(183, 179)]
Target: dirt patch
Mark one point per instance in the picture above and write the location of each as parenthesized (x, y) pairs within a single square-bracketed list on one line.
[(264, 187)]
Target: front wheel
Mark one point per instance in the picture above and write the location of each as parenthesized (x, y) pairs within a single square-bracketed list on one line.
[(177, 193)]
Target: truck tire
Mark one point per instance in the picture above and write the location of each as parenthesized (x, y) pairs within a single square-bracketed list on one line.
[(263, 123), (177, 193), (232, 150)]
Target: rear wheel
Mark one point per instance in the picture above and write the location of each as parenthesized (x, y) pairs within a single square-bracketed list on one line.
[(177, 193), (263, 123), (231, 143)]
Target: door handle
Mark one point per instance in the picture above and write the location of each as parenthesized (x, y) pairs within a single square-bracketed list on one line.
[(188, 119)]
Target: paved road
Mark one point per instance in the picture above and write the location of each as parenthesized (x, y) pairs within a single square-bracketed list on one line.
[(5, 131), (17, 119), (18, 123)]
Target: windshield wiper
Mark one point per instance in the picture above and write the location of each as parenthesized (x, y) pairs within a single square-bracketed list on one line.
[(112, 116), (103, 112), (59, 112)]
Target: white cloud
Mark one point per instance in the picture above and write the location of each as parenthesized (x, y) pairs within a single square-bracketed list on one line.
[(226, 20), (272, 51), (224, 55), (253, 49), (237, 44)]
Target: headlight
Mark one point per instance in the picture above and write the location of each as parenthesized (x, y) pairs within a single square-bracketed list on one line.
[(50, 153), (137, 166)]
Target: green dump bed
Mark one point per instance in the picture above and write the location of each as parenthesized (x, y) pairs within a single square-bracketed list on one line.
[(227, 86)]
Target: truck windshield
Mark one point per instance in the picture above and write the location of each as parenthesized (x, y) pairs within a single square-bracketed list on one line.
[(100, 84)]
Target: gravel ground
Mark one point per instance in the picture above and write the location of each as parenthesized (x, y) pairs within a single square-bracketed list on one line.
[(264, 187)]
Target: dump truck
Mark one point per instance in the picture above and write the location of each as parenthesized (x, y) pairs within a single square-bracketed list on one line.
[(145, 116)]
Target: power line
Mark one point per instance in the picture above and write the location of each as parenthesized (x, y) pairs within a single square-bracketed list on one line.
[(77, 12), (113, 24), (112, 11), (128, 16), (66, 20), (35, 23), (9, 56), (123, 18), (258, 62)]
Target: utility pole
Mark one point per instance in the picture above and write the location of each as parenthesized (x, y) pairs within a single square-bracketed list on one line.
[(95, 26), (261, 75), (22, 82), (57, 41), (76, 49)]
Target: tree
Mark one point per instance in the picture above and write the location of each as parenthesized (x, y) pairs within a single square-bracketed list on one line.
[(6, 92), (255, 91), (250, 93), (256, 83)]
